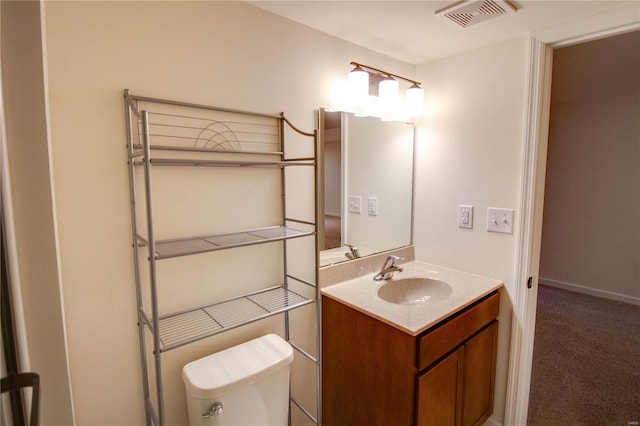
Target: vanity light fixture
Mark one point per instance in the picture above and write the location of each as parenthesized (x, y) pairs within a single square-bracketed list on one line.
[(388, 104)]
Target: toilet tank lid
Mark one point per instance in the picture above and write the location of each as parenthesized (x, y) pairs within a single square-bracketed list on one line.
[(232, 368)]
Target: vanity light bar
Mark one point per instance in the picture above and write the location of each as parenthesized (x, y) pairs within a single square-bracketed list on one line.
[(384, 73), (389, 99)]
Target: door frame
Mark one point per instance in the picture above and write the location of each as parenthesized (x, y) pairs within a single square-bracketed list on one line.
[(538, 100)]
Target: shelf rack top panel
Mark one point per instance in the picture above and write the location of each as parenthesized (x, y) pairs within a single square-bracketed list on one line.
[(192, 127)]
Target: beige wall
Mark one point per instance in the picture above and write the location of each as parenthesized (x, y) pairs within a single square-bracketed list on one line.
[(222, 53), (28, 155), (469, 151), (231, 54), (591, 234)]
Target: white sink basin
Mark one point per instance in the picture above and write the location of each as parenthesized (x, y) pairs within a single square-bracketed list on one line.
[(414, 291)]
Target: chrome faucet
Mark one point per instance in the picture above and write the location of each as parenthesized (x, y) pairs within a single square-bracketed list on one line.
[(388, 268), (353, 252)]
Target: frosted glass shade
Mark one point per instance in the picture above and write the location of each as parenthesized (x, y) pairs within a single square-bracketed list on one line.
[(414, 98), (388, 91), (358, 85), (388, 98)]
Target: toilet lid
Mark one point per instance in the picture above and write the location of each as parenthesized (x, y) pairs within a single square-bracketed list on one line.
[(225, 371)]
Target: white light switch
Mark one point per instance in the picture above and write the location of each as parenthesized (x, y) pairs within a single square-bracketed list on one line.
[(373, 206), (465, 216), (500, 220), (355, 202)]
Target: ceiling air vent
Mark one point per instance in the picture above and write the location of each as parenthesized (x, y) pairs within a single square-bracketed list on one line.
[(471, 12)]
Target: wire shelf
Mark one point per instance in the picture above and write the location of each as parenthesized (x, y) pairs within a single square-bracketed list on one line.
[(221, 163), (166, 249), (181, 328)]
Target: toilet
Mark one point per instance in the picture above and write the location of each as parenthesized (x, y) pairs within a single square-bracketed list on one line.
[(247, 384)]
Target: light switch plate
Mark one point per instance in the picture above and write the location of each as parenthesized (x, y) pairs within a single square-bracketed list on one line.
[(373, 206), (500, 220), (465, 216), (355, 202)]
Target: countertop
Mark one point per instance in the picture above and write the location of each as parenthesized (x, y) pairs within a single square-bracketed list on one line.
[(361, 294)]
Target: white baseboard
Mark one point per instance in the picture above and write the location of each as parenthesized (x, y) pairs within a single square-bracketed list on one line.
[(492, 422), (590, 291)]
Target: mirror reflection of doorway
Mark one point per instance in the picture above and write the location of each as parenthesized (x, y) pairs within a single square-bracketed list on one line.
[(332, 179)]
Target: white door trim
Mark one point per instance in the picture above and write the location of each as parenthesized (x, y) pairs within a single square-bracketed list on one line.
[(541, 45)]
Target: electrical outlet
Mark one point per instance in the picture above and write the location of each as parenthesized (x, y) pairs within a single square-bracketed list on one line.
[(355, 201), (500, 220), (465, 216)]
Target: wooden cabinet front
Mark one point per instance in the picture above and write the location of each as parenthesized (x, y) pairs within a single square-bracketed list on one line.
[(375, 374), (459, 389)]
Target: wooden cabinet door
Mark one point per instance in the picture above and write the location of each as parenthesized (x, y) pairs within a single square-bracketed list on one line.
[(439, 390), (479, 376)]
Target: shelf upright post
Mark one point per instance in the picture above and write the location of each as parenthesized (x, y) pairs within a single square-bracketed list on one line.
[(283, 203), (316, 169), (152, 268), (130, 108)]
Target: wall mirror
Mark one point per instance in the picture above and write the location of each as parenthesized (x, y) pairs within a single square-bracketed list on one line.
[(365, 185)]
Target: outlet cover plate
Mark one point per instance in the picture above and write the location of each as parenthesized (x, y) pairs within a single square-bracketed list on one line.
[(500, 220)]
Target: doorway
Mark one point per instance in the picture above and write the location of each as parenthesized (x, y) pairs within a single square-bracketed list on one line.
[(592, 188), (592, 172), (541, 45)]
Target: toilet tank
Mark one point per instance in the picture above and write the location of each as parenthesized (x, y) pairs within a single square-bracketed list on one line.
[(247, 384)]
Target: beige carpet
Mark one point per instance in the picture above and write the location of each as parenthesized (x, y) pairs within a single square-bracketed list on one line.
[(586, 361)]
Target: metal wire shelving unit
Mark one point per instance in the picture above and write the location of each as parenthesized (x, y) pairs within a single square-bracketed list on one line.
[(176, 134)]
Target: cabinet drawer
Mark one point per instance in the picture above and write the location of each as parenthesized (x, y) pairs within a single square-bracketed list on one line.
[(453, 332)]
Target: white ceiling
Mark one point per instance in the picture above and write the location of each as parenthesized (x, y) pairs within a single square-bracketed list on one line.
[(410, 31)]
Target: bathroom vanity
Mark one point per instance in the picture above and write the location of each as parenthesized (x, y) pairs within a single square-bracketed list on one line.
[(427, 363)]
